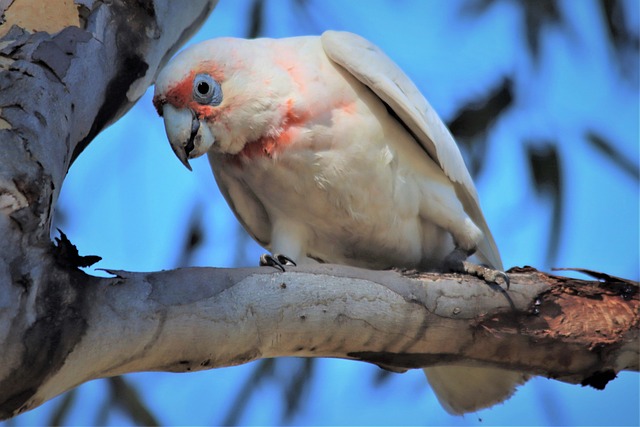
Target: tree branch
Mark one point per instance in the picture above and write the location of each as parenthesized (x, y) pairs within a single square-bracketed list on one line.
[(201, 318)]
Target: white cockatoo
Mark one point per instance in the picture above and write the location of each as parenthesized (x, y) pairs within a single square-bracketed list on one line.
[(326, 151)]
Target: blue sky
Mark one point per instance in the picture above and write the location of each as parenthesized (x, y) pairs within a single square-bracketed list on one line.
[(129, 200)]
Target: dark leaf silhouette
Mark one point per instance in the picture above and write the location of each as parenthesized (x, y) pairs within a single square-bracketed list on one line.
[(472, 123), (381, 376), (622, 36), (545, 167), (122, 396), (62, 410), (193, 237), (297, 386), (612, 10), (624, 40), (292, 375), (609, 151), (263, 370), (476, 7), (536, 14), (256, 16), (479, 114)]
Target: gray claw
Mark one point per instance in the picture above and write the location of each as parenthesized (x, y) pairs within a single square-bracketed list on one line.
[(276, 261), (456, 262)]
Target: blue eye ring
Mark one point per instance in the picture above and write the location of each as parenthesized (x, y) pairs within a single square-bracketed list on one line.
[(206, 90)]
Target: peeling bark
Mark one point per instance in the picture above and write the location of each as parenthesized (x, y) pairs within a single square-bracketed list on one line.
[(60, 327)]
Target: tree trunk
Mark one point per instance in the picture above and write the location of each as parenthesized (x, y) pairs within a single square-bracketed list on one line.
[(58, 90), (60, 327)]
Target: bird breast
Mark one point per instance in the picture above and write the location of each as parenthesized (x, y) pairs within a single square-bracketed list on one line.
[(344, 175)]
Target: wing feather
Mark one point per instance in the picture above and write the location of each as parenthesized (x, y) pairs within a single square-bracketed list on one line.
[(372, 67), (241, 198)]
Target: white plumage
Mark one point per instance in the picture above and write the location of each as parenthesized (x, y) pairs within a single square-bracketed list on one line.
[(325, 150)]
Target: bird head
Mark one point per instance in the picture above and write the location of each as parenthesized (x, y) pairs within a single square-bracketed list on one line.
[(218, 95)]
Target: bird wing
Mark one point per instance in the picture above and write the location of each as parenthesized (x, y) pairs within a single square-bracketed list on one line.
[(367, 63), (241, 198)]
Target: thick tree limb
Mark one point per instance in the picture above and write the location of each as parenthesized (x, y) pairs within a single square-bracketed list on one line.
[(202, 318)]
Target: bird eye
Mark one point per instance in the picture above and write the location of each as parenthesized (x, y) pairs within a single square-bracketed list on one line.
[(206, 90)]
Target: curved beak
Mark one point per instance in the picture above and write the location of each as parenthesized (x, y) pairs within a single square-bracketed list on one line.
[(182, 128)]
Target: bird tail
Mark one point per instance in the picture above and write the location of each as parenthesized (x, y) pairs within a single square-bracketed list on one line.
[(462, 389)]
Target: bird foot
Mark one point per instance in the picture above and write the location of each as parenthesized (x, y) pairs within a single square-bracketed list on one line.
[(487, 274), (276, 261), (456, 262)]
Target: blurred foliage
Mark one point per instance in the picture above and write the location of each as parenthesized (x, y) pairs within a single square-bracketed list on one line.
[(537, 14), (625, 42), (62, 410), (608, 150), (263, 370), (194, 237), (256, 19), (472, 123), (121, 397), (545, 167), (303, 10), (288, 375), (541, 15)]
